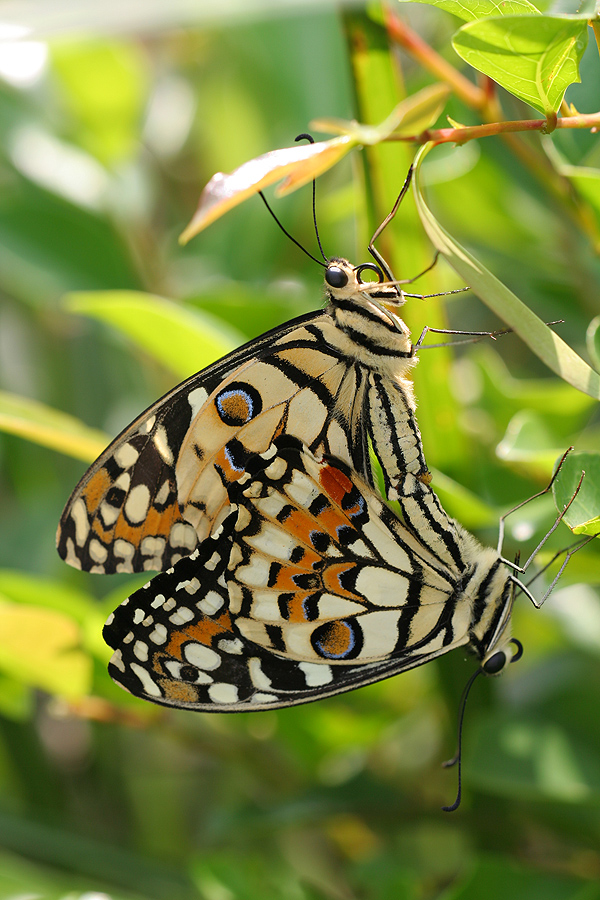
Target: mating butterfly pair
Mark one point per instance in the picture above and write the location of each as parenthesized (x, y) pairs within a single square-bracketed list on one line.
[(285, 578)]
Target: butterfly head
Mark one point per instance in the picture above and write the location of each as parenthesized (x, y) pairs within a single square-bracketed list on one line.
[(346, 282)]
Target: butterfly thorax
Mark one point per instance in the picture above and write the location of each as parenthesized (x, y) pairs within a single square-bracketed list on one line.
[(371, 333)]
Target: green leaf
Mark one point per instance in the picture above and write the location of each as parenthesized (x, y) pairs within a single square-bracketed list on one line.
[(534, 57), (40, 647), (592, 338), (471, 12), (104, 85), (183, 340), (587, 183), (500, 878), (529, 440), (49, 427), (411, 116), (550, 348), (527, 759), (583, 515)]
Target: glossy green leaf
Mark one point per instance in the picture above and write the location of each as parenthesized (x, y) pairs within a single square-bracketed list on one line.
[(583, 514), (534, 57), (550, 348), (471, 12), (184, 340), (40, 647), (49, 427)]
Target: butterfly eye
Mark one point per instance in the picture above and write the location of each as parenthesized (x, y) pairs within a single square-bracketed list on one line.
[(495, 663), (371, 267), (336, 277)]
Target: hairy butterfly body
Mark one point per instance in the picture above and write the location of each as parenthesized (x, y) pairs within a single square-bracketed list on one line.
[(309, 587), (336, 380)]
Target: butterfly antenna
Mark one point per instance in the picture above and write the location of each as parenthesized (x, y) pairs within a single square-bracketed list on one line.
[(457, 758), (311, 140), (287, 234)]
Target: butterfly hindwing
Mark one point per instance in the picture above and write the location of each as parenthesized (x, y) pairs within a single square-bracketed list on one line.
[(311, 587)]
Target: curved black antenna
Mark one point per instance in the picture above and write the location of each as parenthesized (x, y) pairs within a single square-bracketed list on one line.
[(308, 137), (457, 758), (494, 669), (293, 239)]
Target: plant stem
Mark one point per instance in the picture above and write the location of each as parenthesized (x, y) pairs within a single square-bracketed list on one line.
[(462, 134), (468, 92)]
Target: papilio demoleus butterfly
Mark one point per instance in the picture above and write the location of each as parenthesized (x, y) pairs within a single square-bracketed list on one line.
[(308, 587), (336, 379)]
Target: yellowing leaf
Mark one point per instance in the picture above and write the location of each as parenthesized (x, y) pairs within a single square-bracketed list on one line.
[(304, 162), (49, 427), (39, 647), (410, 117)]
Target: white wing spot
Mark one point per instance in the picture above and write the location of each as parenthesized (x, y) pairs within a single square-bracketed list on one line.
[(257, 676), (211, 603), (181, 616), (150, 687), (183, 535), (126, 456), (159, 635), (315, 674), (98, 552), (223, 693), (197, 399), (140, 648), (80, 518), (137, 503), (161, 442), (202, 657)]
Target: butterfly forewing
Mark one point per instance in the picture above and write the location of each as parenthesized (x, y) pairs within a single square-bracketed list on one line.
[(311, 586), (334, 379)]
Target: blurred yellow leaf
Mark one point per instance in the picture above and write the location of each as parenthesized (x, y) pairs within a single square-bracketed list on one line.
[(39, 647), (49, 427)]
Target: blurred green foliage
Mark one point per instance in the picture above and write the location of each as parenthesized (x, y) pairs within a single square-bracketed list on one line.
[(102, 158)]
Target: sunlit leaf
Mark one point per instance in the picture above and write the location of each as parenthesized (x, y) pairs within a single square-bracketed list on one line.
[(40, 647), (592, 338), (470, 12), (550, 348), (182, 339), (528, 440), (49, 427), (302, 163), (411, 116), (583, 515), (534, 57)]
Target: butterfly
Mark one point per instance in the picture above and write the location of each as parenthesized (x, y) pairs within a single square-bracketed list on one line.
[(309, 586), (335, 379)]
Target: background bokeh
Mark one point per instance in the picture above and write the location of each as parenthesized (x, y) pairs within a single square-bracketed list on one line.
[(109, 128)]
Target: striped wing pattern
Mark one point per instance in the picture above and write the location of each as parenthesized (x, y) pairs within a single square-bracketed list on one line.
[(310, 586), (336, 380)]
